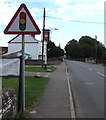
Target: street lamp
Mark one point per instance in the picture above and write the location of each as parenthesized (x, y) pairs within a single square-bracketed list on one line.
[(46, 39), (53, 28)]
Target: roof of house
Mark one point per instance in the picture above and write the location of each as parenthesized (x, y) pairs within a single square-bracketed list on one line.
[(28, 39), (14, 55), (11, 55)]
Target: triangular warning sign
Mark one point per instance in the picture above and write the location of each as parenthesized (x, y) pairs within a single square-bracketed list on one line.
[(22, 23)]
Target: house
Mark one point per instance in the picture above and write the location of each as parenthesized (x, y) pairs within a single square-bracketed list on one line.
[(32, 46)]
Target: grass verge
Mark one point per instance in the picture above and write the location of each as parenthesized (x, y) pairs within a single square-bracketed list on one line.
[(34, 88), (40, 69)]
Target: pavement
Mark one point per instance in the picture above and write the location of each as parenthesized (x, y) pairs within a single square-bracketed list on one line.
[(55, 103)]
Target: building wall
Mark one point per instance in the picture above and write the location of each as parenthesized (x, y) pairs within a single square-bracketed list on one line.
[(32, 48), (14, 47)]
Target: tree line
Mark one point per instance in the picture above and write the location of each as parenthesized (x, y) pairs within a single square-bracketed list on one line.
[(86, 47)]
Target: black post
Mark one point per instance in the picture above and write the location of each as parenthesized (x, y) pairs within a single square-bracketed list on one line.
[(96, 48), (45, 66), (43, 37), (19, 88)]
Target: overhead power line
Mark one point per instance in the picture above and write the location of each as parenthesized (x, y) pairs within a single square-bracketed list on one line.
[(61, 19), (78, 21), (39, 17)]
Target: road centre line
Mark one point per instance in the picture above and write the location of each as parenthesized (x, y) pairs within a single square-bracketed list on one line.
[(101, 74), (98, 73), (94, 70)]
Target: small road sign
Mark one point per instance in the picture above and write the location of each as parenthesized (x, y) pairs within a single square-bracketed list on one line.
[(22, 23)]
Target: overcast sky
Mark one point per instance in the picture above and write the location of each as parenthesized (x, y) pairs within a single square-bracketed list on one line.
[(73, 18)]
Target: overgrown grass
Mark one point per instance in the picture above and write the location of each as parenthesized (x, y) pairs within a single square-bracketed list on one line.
[(39, 69), (10, 82), (34, 88)]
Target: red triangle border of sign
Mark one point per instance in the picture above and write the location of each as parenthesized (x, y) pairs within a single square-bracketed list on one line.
[(22, 32)]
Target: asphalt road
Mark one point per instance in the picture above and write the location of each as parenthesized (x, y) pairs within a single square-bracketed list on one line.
[(87, 82)]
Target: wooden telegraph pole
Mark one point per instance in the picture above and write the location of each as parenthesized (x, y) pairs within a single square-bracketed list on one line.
[(43, 37)]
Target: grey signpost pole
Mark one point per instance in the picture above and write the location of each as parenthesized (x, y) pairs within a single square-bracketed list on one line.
[(23, 74)]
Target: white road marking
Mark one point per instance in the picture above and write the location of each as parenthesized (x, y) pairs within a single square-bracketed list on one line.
[(72, 109), (89, 69), (101, 74), (33, 112)]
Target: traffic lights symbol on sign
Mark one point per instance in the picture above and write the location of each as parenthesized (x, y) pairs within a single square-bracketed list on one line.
[(22, 21)]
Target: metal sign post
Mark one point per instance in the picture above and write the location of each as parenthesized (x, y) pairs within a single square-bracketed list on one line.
[(21, 91), (23, 74)]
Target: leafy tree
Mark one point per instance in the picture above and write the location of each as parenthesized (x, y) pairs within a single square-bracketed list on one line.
[(73, 49), (54, 51), (100, 50), (50, 46), (72, 41), (89, 49), (104, 55), (87, 40)]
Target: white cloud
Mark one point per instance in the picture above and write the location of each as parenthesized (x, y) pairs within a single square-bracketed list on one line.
[(5, 38), (34, 11), (88, 9), (58, 12), (37, 12), (50, 25), (82, 9), (61, 32), (62, 2), (7, 10), (77, 9)]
